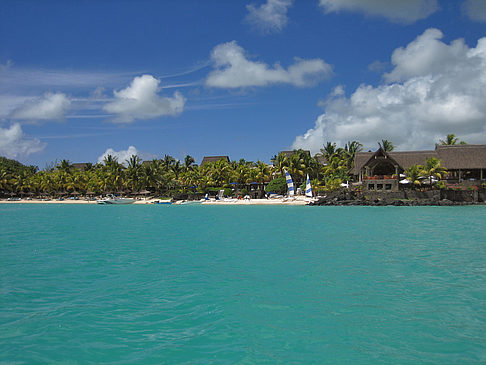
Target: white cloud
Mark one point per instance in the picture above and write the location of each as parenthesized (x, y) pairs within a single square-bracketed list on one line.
[(405, 11), (234, 70), (434, 89), (475, 9), (270, 16), (140, 101), (14, 144), (121, 156), (49, 107)]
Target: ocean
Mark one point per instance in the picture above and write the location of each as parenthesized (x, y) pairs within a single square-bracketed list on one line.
[(242, 284)]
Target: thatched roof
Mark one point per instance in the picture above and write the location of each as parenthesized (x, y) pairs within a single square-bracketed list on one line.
[(321, 159), (290, 153), (360, 158), (148, 162), (407, 159), (81, 166), (207, 159), (463, 156)]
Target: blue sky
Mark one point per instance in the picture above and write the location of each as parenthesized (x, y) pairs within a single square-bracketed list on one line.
[(240, 78)]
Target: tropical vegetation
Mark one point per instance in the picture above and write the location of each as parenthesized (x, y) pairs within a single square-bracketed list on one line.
[(328, 170)]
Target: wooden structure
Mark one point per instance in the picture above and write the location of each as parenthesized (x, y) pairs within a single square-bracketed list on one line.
[(381, 170)]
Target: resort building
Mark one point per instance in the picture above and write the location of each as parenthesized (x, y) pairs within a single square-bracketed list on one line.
[(81, 166), (207, 159), (381, 170)]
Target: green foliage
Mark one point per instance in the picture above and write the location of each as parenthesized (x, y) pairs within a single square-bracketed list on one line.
[(277, 185), (441, 185), (333, 184), (386, 145), (451, 140), (12, 166)]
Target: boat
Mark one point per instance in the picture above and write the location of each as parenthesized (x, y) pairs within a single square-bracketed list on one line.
[(290, 183), (115, 200), (308, 188), (191, 202), (163, 202), (308, 191)]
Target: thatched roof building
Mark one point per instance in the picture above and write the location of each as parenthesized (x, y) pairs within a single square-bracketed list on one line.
[(462, 161), (81, 166), (207, 159)]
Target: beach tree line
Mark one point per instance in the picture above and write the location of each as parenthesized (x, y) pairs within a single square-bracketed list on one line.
[(328, 170)]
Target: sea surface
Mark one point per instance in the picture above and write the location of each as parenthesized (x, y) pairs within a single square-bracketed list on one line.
[(84, 284)]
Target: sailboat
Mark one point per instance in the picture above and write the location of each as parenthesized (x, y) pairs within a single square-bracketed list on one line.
[(308, 191), (290, 183), (308, 188)]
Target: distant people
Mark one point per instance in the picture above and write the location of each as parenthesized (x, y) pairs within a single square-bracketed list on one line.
[(247, 197), (206, 197)]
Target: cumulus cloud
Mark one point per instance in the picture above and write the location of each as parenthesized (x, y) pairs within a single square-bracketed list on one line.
[(121, 156), (434, 89), (270, 16), (49, 107), (475, 9), (234, 70), (14, 144), (407, 11), (141, 101)]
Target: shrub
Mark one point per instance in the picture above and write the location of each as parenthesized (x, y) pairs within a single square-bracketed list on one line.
[(441, 185), (278, 186)]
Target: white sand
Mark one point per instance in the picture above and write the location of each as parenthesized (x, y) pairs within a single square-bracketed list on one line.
[(296, 201)]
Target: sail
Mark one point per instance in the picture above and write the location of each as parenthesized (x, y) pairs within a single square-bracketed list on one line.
[(290, 183), (308, 188)]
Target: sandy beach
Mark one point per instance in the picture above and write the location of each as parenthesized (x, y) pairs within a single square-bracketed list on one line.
[(296, 201)]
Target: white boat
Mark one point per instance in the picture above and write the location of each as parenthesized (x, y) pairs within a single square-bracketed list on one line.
[(191, 202), (308, 188), (114, 200)]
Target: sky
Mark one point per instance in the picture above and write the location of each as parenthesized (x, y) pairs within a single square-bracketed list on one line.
[(243, 78)]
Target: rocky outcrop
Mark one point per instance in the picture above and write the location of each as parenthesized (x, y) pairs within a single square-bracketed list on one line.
[(404, 198)]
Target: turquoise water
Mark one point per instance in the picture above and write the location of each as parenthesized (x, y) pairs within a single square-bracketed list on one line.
[(242, 285)]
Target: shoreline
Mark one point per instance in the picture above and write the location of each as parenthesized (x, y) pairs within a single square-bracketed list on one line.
[(297, 201), (151, 201)]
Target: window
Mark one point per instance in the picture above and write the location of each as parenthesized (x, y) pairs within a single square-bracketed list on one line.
[(379, 186), (371, 186), (387, 186)]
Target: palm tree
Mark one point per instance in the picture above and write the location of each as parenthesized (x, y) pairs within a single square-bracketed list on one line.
[(329, 150), (298, 165), (167, 161), (5, 180), (413, 174), (386, 145), (65, 165), (352, 148), (433, 168), (279, 163), (189, 162), (451, 140)]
